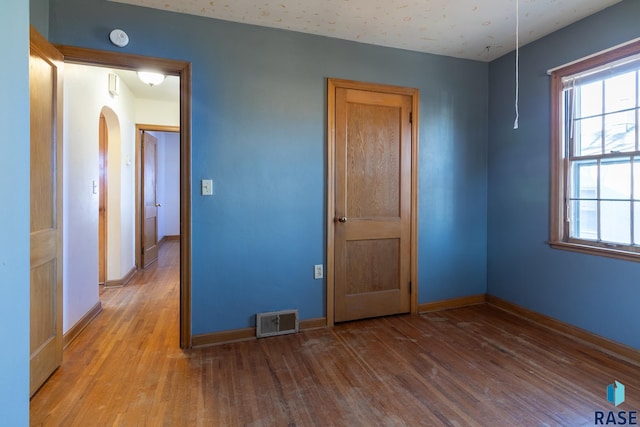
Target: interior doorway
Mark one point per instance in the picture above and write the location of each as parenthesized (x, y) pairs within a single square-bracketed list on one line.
[(181, 69), (162, 224)]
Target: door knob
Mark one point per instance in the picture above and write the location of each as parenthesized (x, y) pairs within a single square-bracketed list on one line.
[(158, 205), (342, 219)]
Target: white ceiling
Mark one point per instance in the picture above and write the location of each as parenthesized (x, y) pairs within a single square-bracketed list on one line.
[(474, 29)]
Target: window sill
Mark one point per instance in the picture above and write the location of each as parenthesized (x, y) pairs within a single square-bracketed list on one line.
[(595, 250)]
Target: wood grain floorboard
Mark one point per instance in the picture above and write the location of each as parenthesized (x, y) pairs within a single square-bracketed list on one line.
[(473, 366)]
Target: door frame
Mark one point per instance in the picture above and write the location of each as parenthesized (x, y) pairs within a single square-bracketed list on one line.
[(103, 189), (140, 128), (332, 85), (181, 69)]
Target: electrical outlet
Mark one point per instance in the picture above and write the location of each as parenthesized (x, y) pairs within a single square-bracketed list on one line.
[(318, 272)]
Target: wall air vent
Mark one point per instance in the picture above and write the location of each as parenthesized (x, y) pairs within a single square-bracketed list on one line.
[(276, 323)]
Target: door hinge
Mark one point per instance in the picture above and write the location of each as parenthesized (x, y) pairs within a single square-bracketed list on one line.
[(410, 287), (410, 116)]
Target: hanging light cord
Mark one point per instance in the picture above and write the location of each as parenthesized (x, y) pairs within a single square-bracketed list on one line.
[(515, 123)]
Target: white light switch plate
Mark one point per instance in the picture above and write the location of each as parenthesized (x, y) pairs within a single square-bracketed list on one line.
[(318, 272), (207, 187)]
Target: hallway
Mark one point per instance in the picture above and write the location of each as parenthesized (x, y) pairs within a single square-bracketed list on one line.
[(137, 329)]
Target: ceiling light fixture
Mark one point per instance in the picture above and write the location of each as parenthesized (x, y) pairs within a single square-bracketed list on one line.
[(151, 78)]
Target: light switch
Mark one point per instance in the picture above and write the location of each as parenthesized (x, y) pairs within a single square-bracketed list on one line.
[(95, 187), (207, 187)]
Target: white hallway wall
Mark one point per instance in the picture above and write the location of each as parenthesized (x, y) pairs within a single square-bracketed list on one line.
[(85, 95)]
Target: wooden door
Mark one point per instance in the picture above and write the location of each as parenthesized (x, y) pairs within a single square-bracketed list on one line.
[(102, 200), (45, 87), (373, 208), (149, 199)]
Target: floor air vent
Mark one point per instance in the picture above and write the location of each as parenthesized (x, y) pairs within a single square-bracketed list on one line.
[(276, 323)]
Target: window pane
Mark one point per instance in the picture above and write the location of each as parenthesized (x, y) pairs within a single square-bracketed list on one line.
[(584, 219), (620, 132), (620, 92), (615, 179), (615, 221), (590, 100), (585, 180), (636, 178), (636, 223), (588, 136)]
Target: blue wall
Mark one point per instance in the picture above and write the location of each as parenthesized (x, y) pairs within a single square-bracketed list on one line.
[(39, 16), (14, 193), (259, 119), (599, 294)]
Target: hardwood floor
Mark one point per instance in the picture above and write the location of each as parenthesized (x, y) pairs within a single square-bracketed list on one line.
[(473, 366)]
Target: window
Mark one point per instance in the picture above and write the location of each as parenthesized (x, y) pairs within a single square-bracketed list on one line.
[(595, 205)]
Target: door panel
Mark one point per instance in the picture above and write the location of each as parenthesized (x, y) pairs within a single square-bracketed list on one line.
[(45, 86), (372, 234), (149, 199), (373, 150), (375, 265)]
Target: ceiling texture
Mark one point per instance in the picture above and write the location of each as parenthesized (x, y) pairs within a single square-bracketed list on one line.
[(482, 30)]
